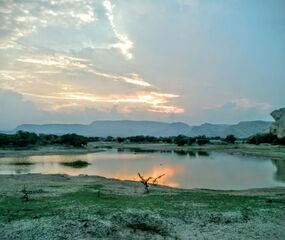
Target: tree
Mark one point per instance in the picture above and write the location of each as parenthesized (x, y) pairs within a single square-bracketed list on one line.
[(262, 138), (145, 181), (181, 140), (230, 139), (202, 140), (120, 139)]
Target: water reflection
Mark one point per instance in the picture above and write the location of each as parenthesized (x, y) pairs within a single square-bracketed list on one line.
[(181, 169), (203, 153), (280, 170), (181, 152), (21, 169)]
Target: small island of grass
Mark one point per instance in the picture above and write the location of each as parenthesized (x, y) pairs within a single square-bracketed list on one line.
[(75, 164)]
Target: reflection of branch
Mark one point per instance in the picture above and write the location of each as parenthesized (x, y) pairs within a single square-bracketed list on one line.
[(155, 179)]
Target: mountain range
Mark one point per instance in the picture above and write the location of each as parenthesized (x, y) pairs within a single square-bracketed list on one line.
[(125, 128)]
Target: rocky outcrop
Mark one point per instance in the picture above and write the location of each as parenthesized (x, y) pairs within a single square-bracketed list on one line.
[(278, 127)]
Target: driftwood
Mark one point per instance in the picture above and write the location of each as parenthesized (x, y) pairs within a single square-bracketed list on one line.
[(145, 182)]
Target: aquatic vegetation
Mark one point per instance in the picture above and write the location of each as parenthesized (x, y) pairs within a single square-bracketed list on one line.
[(22, 163), (76, 164)]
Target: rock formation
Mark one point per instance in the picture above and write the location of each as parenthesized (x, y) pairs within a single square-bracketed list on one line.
[(278, 127)]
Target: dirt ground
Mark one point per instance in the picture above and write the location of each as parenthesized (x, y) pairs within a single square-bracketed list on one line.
[(35, 206)]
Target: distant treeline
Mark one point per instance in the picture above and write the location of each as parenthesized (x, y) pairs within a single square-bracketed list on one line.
[(266, 138), (180, 140), (28, 139)]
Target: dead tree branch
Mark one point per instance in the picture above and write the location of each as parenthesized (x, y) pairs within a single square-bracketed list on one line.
[(145, 182), (155, 179)]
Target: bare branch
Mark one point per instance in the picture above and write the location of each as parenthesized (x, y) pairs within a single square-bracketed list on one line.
[(155, 179), (145, 181)]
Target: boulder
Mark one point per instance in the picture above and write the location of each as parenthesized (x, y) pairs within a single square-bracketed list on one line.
[(278, 127)]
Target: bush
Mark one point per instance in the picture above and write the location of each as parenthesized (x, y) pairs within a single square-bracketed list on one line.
[(266, 138), (20, 139), (73, 140), (76, 164), (262, 138), (120, 139), (142, 139), (280, 141), (181, 140), (27, 139), (202, 140), (230, 139), (167, 140)]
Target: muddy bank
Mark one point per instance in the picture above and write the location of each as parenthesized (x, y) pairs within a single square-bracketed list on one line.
[(36, 206)]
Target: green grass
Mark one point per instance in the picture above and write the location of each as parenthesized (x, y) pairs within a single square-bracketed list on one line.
[(94, 199), (167, 204), (12, 208)]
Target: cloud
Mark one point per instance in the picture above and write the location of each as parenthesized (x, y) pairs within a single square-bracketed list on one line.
[(242, 109), (132, 78), (124, 44), (51, 77), (57, 60), (245, 104), (152, 102), (21, 19), (66, 62), (16, 109)]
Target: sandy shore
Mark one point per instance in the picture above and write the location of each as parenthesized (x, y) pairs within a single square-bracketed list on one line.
[(90, 207)]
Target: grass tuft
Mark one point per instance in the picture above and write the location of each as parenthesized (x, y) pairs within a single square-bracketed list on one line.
[(22, 163), (76, 164)]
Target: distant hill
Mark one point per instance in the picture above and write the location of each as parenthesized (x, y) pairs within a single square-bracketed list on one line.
[(126, 128), (210, 130), (248, 128)]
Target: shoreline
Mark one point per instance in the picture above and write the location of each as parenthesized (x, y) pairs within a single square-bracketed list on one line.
[(94, 207), (271, 151), (263, 150), (50, 150)]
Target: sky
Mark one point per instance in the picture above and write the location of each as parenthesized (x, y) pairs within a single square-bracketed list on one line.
[(196, 61)]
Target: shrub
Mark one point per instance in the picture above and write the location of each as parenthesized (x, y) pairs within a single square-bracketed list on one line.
[(202, 140), (230, 139), (76, 164), (181, 140), (73, 140), (262, 138)]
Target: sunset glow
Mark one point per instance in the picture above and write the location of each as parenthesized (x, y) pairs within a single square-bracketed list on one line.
[(140, 60)]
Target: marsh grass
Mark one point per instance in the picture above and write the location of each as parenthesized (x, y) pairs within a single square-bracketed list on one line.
[(22, 163)]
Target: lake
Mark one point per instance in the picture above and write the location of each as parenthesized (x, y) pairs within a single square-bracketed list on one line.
[(210, 170)]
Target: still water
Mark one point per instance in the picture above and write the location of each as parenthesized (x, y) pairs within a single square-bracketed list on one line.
[(185, 170)]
